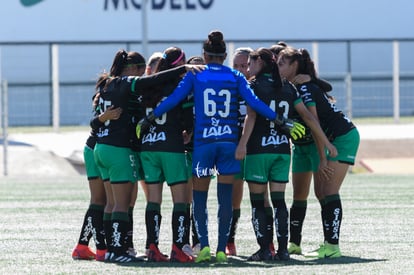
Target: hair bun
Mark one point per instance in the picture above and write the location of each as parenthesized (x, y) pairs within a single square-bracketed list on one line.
[(215, 37)]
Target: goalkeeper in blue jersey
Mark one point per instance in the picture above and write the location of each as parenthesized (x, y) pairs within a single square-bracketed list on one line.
[(216, 96)]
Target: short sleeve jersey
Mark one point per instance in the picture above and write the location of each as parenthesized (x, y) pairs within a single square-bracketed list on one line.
[(216, 102), (166, 133), (117, 93), (267, 137), (333, 121)]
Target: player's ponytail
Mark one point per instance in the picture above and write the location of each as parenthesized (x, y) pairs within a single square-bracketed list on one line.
[(269, 64)]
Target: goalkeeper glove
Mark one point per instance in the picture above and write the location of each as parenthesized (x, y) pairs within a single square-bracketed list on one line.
[(291, 127), (144, 124)]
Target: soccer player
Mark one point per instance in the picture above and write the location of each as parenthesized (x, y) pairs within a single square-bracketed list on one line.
[(92, 226), (240, 58), (343, 134), (267, 161), (216, 91), (112, 151), (188, 120), (163, 159)]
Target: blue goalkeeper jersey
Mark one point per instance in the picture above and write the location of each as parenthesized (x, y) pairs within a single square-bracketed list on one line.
[(217, 91)]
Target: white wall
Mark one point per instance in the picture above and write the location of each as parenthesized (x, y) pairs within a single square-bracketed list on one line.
[(88, 20)]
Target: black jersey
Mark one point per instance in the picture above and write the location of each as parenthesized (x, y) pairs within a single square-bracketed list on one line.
[(91, 140), (267, 137), (166, 133), (188, 120), (137, 112), (333, 121), (116, 92)]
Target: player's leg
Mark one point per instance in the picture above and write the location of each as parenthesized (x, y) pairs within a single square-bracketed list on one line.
[(301, 185), (176, 175), (236, 199), (259, 221), (279, 177)]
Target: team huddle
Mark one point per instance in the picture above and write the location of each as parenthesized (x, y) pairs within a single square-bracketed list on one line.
[(185, 122)]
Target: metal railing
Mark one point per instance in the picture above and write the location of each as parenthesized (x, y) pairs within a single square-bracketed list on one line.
[(51, 83)]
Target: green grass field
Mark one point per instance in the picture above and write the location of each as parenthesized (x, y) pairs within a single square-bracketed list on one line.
[(41, 219)]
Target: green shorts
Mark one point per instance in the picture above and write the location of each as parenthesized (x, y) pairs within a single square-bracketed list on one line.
[(347, 147), (305, 158), (264, 168), (138, 167), (115, 163), (92, 170), (164, 166)]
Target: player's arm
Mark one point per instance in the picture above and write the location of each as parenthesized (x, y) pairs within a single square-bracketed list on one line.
[(142, 82), (303, 78), (295, 129), (249, 122), (111, 113), (182, 90), (253, 101), (317, 133)]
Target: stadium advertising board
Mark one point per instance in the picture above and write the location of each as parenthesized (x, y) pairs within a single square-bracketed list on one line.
[(89, 20)]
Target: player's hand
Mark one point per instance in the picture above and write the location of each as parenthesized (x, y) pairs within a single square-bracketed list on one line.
[(111, 113), (241, 152), (291, 127), (144, 124)]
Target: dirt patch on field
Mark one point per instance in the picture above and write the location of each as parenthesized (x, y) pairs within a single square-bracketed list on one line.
[(385, 156)]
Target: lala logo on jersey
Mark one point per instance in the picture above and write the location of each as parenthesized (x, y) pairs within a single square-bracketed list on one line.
[(216, 130), (274, 139), (153, 136)]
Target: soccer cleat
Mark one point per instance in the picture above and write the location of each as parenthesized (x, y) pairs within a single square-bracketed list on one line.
[(325, 250), (282, 255), (204, 255), (131, 251), (294, 249), (196, 248), (221, 257), (188, 250), (154, 254), (178, 255), (332, 251), (261, 255), (125, 258), (231, 249), (100, 255), (83, 252)]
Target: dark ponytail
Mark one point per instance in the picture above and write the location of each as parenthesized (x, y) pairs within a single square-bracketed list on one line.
[(269, 64), (306, 66)]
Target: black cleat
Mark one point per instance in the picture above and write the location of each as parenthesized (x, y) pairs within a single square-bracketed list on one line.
[(282, 255), (261, 255)]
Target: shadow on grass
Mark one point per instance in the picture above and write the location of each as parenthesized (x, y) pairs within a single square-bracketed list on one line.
[(15, 143), (241, 262)]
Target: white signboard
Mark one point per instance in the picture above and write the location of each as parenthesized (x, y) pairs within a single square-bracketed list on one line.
[(91, 20)]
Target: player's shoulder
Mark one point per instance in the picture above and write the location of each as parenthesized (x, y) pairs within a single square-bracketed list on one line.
[(220, 72)]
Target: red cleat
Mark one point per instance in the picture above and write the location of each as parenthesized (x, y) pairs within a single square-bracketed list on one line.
[(154, 254), (177, 255), (83, 252), (231, 249)]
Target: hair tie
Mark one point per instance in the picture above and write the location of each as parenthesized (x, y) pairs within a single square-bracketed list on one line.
[(164, 56)]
